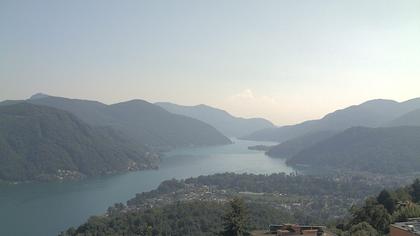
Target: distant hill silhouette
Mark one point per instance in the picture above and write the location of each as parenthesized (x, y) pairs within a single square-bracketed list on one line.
[(392, 150), (293, 146), (409, 119), (229, 125), (143, 122), (374, 113), (44, 143)]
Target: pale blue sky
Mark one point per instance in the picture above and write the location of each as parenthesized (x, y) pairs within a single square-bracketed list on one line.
[(284, 60)]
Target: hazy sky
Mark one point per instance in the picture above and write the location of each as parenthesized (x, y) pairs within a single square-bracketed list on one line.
[(287, 61)]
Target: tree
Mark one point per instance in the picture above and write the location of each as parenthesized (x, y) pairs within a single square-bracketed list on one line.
[(380, 219), (403, 195), (415, 190), (405, 212), (363, 229), (373, 213), (236, 219), (117, 208), (387, 200)]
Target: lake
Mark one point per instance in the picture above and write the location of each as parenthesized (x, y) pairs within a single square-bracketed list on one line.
[(47, 208)]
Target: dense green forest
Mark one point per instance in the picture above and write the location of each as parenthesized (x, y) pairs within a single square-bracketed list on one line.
[(182, 207), (392, 150), (375, 215), (43, 143), (193, 218)]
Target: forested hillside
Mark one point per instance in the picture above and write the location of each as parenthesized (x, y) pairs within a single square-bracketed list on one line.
[(393, 150), (292, 147), (375, 215), (43, 143)]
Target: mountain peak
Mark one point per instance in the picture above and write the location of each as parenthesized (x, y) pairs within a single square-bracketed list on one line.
[(39, 96), (220, 119)]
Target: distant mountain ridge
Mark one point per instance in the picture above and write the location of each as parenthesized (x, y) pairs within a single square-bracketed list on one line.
[(226, 123), (44, 143), (141, 121), (373, 113)]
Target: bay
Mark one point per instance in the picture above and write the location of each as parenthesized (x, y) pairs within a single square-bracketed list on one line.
[(48, 208)]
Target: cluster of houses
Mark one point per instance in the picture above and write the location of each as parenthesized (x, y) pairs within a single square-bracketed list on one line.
[(294, 230), (408, 228)]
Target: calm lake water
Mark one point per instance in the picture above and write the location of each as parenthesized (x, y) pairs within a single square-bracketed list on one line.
[(47, 208)]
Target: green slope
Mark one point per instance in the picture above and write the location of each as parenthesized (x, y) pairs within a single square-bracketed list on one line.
[(390, 150), (292, 147), (43, 143)]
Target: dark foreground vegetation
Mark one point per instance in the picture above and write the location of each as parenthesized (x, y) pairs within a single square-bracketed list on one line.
[(377, 213)]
